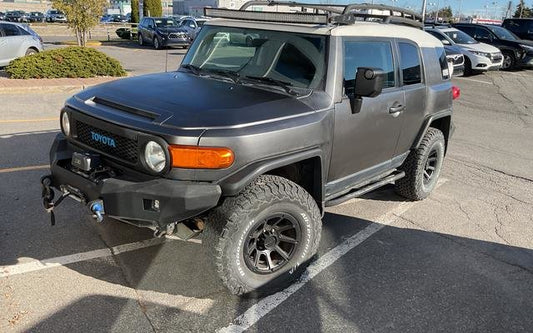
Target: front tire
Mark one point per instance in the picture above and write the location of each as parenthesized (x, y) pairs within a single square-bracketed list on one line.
[(262, 239), (157, 43), (509, 61), (140, 39), (31, 52), (422, 167)]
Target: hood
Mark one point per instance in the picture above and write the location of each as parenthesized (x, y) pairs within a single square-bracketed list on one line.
[(183, 100), (525, 42), (170, 29), (481, 47)]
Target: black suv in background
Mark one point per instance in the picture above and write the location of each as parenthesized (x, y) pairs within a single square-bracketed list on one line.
[(17, 16), (162, 32), (36, 17), (523, 28), (516, 52)]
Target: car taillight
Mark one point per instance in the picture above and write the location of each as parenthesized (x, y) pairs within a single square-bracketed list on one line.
[(456, 92)]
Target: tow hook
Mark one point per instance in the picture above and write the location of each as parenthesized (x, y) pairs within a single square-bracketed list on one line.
[(97, 208), (48, 197)]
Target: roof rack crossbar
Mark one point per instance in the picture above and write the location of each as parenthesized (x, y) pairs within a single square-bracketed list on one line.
[(391, 9), (332, 9)]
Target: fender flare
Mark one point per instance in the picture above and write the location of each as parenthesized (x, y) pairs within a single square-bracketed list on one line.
[(427, 123), (236, 182)]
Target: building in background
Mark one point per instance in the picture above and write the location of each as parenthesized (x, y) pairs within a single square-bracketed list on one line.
[(196, 7)]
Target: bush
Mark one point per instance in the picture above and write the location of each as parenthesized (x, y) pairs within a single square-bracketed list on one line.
[(69, 62)]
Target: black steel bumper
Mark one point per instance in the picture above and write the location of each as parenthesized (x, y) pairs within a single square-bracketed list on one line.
[(132, 201)]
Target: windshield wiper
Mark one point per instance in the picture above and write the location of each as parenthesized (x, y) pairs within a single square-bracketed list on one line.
[(223, 72), (268, 80), (194, 69)]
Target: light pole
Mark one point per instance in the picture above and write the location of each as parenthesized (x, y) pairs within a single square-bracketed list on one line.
[(424, 5)]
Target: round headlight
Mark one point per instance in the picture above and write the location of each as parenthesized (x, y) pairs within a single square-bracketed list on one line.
[(65, 123), (154, 156)]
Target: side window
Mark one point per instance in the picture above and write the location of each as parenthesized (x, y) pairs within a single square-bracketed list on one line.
[(143, 23), (469, 30), (23, 32), (482, 33), (441, 56), (10, 30), (410, 64), (368, 54)]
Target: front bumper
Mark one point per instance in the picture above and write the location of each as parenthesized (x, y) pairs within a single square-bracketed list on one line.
[(176, 42), (130, 200)]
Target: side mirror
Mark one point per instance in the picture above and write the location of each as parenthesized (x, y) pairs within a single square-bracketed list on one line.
[(445, 42), (368, 82)]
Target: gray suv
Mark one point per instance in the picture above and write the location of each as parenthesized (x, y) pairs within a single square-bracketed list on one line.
[(316, 110)]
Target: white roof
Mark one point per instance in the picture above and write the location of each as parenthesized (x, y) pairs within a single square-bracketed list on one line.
[(376, 29)]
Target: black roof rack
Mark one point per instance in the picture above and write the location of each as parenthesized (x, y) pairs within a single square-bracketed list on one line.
[(322, 13)]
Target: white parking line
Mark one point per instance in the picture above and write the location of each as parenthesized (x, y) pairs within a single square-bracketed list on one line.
[(473, 80), (267, 304), (37, 265)]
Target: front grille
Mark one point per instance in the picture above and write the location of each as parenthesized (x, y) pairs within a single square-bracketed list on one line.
[(496, 58), (176, 35), (125, 148)]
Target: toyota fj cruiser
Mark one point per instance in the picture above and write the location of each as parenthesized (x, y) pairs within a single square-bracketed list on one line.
[(321, 106)]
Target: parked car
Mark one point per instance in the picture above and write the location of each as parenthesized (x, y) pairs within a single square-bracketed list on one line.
[(17, 16), (192, 25), (118, 18), (2, 16), (250, 146), (516, 52), (478, 56), (523, 28), (36, 17), (17, 40), (54, 15), (456, 58), (162, 32)]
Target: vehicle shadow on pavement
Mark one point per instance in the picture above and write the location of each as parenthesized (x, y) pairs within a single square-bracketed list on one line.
[(398, 280)]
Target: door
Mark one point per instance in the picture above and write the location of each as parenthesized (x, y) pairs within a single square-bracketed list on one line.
[(10, 43), (413, 83), (364, 142)]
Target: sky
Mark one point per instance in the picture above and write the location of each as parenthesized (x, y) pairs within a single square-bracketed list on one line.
[(485, 8)]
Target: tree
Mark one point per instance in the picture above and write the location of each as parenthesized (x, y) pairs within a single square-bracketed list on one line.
[(523, 11), (445, 13), (82, 15), (150, 8)]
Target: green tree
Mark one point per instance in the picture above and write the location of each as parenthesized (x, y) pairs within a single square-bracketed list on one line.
[(135, 11), (150, 8), (82, 15), (523, 11)]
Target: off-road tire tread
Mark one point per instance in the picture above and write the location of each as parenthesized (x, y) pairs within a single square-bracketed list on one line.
[(228, 217), (408, 186)]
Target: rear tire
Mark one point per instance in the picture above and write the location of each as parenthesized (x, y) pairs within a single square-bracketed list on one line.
[(262, 239), (422, 167), (31, 52)]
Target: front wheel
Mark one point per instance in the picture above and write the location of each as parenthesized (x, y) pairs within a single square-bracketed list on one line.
[(31, 52), (509, 61), (422, 167), (157, 43), (262, 239), (140, 39)]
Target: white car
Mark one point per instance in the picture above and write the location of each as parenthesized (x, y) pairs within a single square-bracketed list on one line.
[(17, 40), (478, 56)]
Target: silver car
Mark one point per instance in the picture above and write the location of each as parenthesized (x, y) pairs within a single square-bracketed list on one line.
[(17, 40)]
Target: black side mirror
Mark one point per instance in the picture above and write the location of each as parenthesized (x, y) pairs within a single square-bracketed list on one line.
[(368, 83)]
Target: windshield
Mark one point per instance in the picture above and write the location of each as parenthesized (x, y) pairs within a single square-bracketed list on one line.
[(165, 22), (460, 37), (298, 60), (502, 33)]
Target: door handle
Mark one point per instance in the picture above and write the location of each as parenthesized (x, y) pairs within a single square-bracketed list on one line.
[(396, 109)]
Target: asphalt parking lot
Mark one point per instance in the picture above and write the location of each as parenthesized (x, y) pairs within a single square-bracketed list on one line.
[(460, 261)]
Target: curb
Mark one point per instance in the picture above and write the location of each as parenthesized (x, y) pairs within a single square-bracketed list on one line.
[(74, 43), (45, 86)]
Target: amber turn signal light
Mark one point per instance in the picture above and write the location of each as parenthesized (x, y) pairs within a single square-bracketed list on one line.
[(193, 157)]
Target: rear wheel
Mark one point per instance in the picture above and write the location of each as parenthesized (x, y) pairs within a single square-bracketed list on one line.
[(509, 61), (422, 167), (262, 239), (31, 52)]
